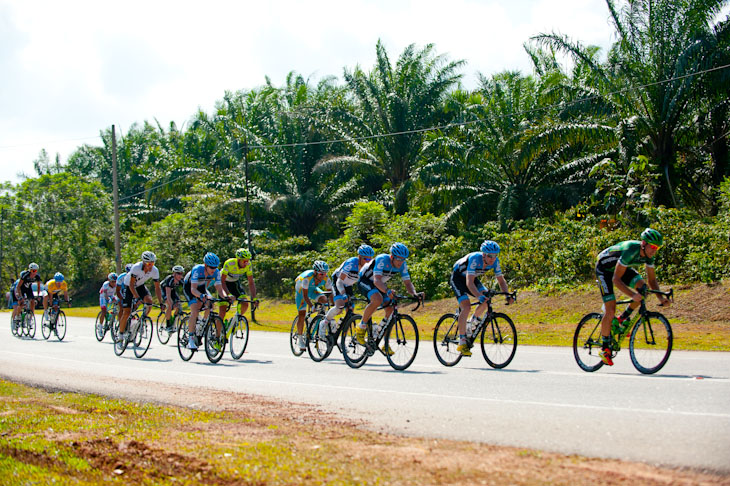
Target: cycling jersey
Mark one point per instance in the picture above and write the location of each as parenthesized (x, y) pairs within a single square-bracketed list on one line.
[(381, 265), (106, 294), (343, 286), (54, 287), (120, 281), (627, 253), (305, 280), (474, 264), (169, 282), (26, 280), (233, 272), (140, 275), (197, 277)]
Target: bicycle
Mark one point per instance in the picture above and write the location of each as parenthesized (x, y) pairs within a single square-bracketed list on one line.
[(650, 338), (24, 323), (400, 333), (205, 331), (293, 335), (107, 324), (496, 332), (140, 331), (54, 320), (236, 331), (163, 332), (320, 347)]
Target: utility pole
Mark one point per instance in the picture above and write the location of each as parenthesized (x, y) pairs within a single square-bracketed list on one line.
[(2, 238), (115, 182), (248, 213)]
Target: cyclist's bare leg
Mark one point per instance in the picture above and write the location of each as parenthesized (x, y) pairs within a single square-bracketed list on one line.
[(123, 316), (464, 309), (300, 321), (45, 303), (194, 311), (374, 303), (480, 310), (608, 314)]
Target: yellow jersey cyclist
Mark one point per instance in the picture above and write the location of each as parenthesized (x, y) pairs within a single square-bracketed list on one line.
[(464, 281), (233, 270), (54, 287), (307, 288), (614, 268), (373, 283), (22, 289), (169, 286)]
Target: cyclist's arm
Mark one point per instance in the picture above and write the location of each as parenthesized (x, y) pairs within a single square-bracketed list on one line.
[(654, 285), (379, 284), (410, 288), (470, 278), (618, 283), (132, 286), (505, 288), (221, 292), (158, 292)]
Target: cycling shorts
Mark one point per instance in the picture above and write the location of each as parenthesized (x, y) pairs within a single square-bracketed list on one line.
[(189, 294), (368, 289), (128, 295), (458, 285), (605, 282)]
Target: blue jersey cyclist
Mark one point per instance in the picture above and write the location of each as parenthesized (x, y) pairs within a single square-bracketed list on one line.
[(195, 288), (373, 283), (614, 268), (309, 287), (347, 275), (464, 282)]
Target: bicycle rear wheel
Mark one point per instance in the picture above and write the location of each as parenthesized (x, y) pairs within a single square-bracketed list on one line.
[(13, 326), (99, 329), (162, 335), (214, 347), (650, 343), (45, 326), (61, 326), (355, 354), (499, 341), (446, 340), (294, 339), (30, 325), (239, 337), (316, 344), (182, 340), (587, 342), (401, 342), (144, 337)]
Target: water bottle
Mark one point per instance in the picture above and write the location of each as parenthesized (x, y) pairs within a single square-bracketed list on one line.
[(376, 330), (134, 324), (615, 326)]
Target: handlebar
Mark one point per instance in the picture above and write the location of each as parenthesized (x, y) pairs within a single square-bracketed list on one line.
[(492, 293), (669, 295)]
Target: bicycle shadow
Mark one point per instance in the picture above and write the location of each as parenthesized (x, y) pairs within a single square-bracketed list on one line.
[(386, 368), (255, 361), (504, 370)]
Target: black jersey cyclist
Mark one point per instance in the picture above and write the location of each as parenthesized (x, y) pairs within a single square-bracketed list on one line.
[(169, 286)]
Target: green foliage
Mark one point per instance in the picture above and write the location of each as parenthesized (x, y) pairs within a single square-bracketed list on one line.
[(279, 262)]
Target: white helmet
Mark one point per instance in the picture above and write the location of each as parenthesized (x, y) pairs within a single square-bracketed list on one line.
[(148, 256)]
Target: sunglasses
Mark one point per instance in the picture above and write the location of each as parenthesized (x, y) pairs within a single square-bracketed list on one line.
[(653, 247), (322, 274), (398, 259), (491, 255), (367, 259)]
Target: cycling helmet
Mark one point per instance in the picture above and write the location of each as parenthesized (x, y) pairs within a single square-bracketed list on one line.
[(652, 236), (399, 250), (366, 251), (112, 276), (33, 266), (212, 260), (243, 254), (58, 277), (127, 267), (148, 256), (320, 267), (178, 269), (489, 246)]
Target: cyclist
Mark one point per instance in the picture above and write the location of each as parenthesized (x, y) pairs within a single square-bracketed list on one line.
[(107, 294), (464, 282), (195, 287), (55, 286), (233, 270), (373, 283), (169, 292), (134, 288), (347, 275), (22, 290), (308, 287), (614, 268)]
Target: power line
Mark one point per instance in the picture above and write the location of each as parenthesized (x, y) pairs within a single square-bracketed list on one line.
[(31, 144)]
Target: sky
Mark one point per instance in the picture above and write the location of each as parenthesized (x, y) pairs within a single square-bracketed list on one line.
[(70, 69)]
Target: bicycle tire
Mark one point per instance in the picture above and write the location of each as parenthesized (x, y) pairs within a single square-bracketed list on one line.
[(162, 335), (354, 353), (30, 325), (45, 326), (293, 340), (61, 325), (120, 345), (499, 341), (239, 337), (144, 337), (182, 340), (214, 355), (401, 337), (13, 326), (317, 345), (446, 340), (587, 342), (650, 343), (99, 330), (114, 328)]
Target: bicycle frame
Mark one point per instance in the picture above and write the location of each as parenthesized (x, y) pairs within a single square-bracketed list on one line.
[(628, 324), (488, 316)]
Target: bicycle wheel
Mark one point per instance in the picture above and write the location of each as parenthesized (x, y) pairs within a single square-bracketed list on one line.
[(182, 340), (650, 343), (30, 325), (446, 340), (99, 327), (293, 338), (214, 347), (499, 341), (239, 337), (114, 328), (120, 344), (401, 342), (162, 335), (355, 354), (45, 326), (61, 326), (144, 337), (587, 342), (13, 326), (316, 344)]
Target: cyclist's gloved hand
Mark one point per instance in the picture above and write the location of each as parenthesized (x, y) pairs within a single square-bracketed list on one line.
[(482, 298)]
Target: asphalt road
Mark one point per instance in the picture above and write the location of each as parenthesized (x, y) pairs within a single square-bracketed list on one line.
[(678, 417)]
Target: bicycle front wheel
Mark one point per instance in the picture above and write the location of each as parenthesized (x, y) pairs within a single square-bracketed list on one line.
[(650, 343), (61, 326), (99, 330), (214, 347), (45, 326), (182, 340), (355, 354), (316, 342), (499, 341), (401, 342), (587, 342), (239, 337), (144, 337), (294, 338), (162, 335), (30, 325), (446, 340)]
